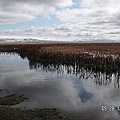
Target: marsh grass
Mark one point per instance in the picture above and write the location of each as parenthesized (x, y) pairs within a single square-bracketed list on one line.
[(78, 59), (12, 99), (7, 113)]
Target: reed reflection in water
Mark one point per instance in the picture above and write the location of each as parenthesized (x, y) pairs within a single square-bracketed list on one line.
[(72, 86), (102, 78)]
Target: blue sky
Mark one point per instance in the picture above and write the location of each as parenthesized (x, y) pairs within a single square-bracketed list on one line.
[(40, 22), (65, 20)]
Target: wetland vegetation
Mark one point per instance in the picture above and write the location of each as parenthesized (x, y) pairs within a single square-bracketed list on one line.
[(86, 60), (9, 113), (100, 62), (12, 99)]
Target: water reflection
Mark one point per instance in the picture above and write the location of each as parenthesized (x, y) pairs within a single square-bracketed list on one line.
[(76, 88), (83, 72)]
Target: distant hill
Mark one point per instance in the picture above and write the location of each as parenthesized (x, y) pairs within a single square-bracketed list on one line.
[(97, 41), (30, 40)]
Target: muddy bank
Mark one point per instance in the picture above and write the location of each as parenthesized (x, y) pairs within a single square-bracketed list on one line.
[(9, 112)]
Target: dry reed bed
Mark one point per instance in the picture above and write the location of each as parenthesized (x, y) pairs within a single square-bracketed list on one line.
[(71, 54), (79, 59)]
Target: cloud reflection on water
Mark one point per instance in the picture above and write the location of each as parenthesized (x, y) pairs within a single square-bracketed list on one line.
[(49, 89)]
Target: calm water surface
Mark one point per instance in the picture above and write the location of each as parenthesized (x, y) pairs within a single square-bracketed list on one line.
[(81, 95)]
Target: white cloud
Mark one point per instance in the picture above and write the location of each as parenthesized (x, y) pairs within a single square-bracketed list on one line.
[(100, 4), (66, 32), (95, 19), (90, 20), (16, 11)]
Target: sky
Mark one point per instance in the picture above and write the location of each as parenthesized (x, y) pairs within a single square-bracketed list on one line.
[(63, 20)]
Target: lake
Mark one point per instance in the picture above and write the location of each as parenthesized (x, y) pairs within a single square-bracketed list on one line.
[(83, 95)]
